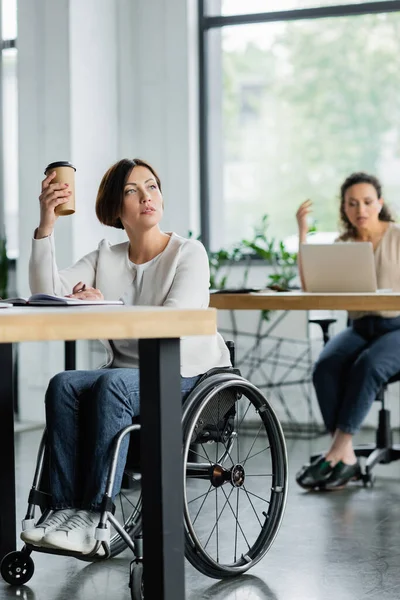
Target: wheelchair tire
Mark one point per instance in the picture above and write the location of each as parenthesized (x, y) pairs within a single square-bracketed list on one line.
[(235, 494), (17, 568), (136, 581)]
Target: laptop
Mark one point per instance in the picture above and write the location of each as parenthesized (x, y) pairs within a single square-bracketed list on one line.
[(339, 267)]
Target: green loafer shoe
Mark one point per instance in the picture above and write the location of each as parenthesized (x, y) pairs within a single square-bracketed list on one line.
[(341, 475), (315, 474)]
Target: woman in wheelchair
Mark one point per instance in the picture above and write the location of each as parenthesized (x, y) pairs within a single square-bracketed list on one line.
[(355, 364), (85, 410)]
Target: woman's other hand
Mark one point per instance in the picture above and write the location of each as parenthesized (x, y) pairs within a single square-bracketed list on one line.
[(302, 213), (53, 194), (82, 292)]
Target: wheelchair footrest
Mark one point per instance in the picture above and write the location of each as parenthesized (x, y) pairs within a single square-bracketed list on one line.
[(28, 524)]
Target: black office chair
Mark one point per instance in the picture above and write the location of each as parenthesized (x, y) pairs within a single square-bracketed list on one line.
[(383, 451)]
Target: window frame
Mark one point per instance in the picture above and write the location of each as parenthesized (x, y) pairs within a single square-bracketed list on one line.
[(6, 44), (207, 23)]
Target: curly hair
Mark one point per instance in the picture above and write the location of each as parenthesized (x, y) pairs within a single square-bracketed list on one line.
[(348, 230)]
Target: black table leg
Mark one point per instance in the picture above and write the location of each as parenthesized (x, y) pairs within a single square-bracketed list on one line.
[(161, 464), (70, 356), (7, 470)]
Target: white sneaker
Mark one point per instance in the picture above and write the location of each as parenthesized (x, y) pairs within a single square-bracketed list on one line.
[(76, 534), (36, 534)]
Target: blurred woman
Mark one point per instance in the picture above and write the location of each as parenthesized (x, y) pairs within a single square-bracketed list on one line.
[(354, 364)]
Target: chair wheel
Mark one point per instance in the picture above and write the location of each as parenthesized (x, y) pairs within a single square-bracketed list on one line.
[(136, 581), (17, 568), (368, 480)]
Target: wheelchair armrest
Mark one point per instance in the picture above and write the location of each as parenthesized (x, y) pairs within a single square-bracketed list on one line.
[(231, 347), (324, 323)]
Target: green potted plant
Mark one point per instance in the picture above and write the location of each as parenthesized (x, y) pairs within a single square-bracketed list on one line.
[(275, 254)]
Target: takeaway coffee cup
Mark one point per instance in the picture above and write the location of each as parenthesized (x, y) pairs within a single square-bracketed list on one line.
[(65, 173)]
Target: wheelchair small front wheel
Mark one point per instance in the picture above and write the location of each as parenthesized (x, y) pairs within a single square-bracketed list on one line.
[(136, 582), (368, 480), (17, 568)]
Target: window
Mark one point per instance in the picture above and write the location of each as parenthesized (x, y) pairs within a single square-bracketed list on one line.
[(239, 7), (10, 125), (292, 107)]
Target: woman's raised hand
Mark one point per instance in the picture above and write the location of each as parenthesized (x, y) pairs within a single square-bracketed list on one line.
[(302, 213), (82, 292), (53, 194)]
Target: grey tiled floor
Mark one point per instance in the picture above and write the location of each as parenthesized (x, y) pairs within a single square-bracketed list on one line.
[(331, 546)]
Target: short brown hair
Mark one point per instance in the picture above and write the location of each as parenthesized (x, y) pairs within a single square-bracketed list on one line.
[(110, 197)]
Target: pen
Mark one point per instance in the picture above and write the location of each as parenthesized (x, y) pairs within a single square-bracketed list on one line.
[(83, 288)]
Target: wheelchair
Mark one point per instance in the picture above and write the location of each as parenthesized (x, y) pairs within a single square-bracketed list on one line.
[(235, 486)]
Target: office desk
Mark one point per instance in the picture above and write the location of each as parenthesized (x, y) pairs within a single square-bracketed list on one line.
[(304, 301), (297, 300), (158, 330)]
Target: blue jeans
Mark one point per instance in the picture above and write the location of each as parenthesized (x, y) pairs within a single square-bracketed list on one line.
[(352, 368), (85, 410)]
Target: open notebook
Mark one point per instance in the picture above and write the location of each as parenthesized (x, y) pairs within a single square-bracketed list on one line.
[(48, 300)]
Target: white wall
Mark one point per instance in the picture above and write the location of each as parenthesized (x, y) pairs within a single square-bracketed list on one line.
[(159, 75), (100, 80)]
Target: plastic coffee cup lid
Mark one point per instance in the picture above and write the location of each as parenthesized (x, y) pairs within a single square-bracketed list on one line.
[(60, 163)]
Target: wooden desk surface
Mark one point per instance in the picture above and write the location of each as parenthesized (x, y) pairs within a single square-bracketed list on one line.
[(304, 301), (26, 324)]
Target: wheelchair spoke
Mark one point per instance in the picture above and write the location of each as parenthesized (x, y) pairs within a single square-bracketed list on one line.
[(217, 522), (237, 441), (256, 453), (206, 453), (202, 504), (252, 446), (255, 495), (122, 508), (227, 453), (216, 447), (252, 506), (201, 455), (219, 516), (237, 520), (201, 495), (244, 416), (236, 526), (128, 501)]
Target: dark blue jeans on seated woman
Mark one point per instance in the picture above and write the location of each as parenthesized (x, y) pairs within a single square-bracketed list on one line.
[(85, 410), (352, 368)]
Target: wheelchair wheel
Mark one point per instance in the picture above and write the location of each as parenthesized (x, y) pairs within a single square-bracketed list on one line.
[(128, 509), (136, 581), (17, 568), (235, 475)]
